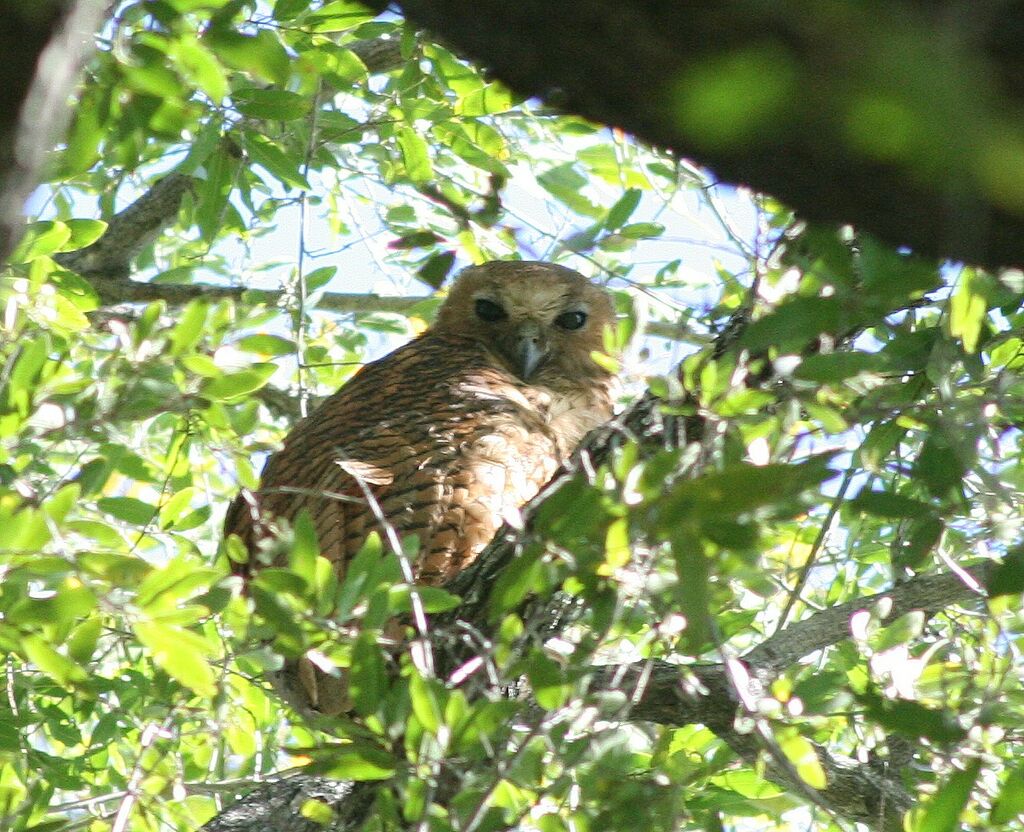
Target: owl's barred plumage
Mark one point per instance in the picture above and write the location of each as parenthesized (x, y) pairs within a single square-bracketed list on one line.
[(450, 435)]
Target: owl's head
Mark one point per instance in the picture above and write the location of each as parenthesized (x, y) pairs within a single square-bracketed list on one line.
[(542, 321)]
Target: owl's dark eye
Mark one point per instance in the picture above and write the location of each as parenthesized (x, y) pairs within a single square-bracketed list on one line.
[(571, 320), (488, 310)]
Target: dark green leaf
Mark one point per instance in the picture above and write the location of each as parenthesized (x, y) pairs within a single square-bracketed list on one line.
[(367, 677), (1008, 576), (275, 105), (550, 688), (739, 489), (284, 167), (940, 465), (837, 366), (305, 549), (884, 504), (913, 719), (622, 210), (796, 322)]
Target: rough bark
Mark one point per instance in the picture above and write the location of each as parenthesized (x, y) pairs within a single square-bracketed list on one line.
[(44, 44)]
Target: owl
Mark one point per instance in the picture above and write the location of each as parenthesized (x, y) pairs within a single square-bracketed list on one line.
[(447, 437)]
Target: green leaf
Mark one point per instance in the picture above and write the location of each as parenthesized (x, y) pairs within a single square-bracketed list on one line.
[(900, 631), (189, 329), (84, 232), (436, 269), (367, 676), (426, 697), (566, 184), (837, 366), (920, 538), (913, 719), (739, 489), (237, 384), (547, 682), (304, 549), (338, 16), (1008, 576), (1010, 803), (642, 230), (968, 308), (262, 54), (884, 504), (59, 668), (317, 811), (265, 344), (41, 239), (433, 598), (221, 169), (692, 588), (82, 642), (622, 210), (891, 278), (128, 509), (289, 9), (942, 813), (199, 66), (800, 752), (940, 465), (516, 581), (484, 101), (357, 762), (60, 504), (176, 506), (796, 322), (881, 441), (318, 278), (415, 155), (182, 653), (86, 135), (284, 167), (275, 105), (164, 589)]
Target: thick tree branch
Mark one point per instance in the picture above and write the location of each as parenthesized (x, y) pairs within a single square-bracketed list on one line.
[(929, 593), (44, 44), (276, 806), (129, 231), (850, 114)]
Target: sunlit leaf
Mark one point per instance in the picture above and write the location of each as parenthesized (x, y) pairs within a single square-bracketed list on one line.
[(942, 813), (183, 654), (240, 383)]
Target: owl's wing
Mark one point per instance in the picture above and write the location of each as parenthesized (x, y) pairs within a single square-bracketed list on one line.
[(346, 457), (434, 439)]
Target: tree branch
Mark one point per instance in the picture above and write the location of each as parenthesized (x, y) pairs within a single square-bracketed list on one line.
[(929, 593), (276, 806), (779, 97), (114, 291), (44, 44)]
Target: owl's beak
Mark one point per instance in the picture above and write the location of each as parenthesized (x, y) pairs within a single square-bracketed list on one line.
[(530, 349)]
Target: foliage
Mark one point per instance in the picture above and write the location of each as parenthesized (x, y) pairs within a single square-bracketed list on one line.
[(863, 430)]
